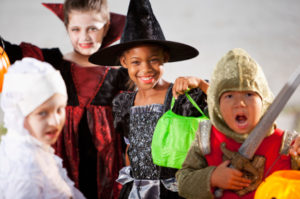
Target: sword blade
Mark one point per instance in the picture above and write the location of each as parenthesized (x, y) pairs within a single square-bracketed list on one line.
[(253, 141)]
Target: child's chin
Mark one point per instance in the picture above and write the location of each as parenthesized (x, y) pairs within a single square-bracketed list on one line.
[(242, 131)]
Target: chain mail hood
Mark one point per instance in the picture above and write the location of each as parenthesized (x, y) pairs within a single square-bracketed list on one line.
[(236, 71)]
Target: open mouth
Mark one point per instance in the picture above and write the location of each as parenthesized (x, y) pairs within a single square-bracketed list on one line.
[(51, 134), (241, 120)]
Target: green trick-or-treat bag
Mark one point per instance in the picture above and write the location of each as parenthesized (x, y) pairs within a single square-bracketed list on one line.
[(173, 136)]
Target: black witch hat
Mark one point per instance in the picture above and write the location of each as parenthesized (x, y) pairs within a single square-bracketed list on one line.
[(142, 28)]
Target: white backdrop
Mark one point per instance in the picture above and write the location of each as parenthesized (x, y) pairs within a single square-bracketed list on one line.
[(268, 29)]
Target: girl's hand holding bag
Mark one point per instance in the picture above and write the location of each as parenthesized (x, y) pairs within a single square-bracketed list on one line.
[(173, 136)]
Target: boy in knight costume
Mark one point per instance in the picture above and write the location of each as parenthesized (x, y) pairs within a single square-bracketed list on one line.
[(238, 96)]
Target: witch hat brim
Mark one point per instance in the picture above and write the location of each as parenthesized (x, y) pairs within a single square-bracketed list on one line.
[(117, 23), (142, 27), (110, 56)]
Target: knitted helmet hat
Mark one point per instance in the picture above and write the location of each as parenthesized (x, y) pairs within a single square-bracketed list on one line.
[(236, 71)]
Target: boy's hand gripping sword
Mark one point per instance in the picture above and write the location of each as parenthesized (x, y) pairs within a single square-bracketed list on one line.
[(250, 145)]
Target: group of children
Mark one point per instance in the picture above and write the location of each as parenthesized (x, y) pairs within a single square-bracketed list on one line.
[(111, 113)]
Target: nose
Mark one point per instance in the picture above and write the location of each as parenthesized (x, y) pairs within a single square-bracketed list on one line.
[(240, 101), (85, 36), (54, 120), (146, 66)]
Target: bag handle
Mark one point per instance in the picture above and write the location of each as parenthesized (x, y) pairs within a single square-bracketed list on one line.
[(191, 100)]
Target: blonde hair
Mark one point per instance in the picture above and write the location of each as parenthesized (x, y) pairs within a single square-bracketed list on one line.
[(99, 6)]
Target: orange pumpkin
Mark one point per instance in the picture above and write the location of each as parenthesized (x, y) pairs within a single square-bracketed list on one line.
[(4, 64), (284, 184)]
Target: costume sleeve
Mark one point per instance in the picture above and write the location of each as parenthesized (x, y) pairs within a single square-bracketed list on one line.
[(120, 78), (63, 173), (123, 79), (23, 188), (17, 52), (121, 107), (194, 176), (184, 107), (14, 52)]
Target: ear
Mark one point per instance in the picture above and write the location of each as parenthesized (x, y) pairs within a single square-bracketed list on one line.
[(123, 61)]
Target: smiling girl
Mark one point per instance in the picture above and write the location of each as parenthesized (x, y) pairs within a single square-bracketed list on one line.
[(143, 50)]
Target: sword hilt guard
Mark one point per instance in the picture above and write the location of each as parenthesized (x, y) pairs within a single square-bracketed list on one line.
[(252, 170)]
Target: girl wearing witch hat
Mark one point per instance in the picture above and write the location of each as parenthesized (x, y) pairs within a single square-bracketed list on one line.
[(143, 50), (90, 148)]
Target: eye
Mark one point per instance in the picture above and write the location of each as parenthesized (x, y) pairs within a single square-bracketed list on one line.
[(228, 96), (249, 94), (42, 113), (135, 62), (74, 29), (93, 29), (154, 61)]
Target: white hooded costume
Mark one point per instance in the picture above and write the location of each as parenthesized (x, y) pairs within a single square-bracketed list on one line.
[(28, 167)]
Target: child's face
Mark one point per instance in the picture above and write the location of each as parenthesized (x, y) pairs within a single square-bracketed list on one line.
[(86, 31), (145, 65), (46, 121), (241, 110)]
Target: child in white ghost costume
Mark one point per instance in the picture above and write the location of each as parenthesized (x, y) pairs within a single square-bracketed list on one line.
[(33, 101)]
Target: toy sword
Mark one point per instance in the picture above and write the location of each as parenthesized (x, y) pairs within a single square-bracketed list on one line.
[(255, 138)]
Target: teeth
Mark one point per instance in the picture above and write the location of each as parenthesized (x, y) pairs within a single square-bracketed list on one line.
[(146, 78)]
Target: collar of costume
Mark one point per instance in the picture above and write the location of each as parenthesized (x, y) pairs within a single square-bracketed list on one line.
[(117, 23)]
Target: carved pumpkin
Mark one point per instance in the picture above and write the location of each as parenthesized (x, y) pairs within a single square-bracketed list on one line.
[(282, 184), (4, 64)]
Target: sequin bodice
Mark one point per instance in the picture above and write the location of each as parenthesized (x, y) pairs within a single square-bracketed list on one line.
[(143, 120)]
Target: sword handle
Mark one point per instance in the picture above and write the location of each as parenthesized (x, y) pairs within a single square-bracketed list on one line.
[(218, 193)]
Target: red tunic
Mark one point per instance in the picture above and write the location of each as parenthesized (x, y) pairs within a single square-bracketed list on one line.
[(269, 148)]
